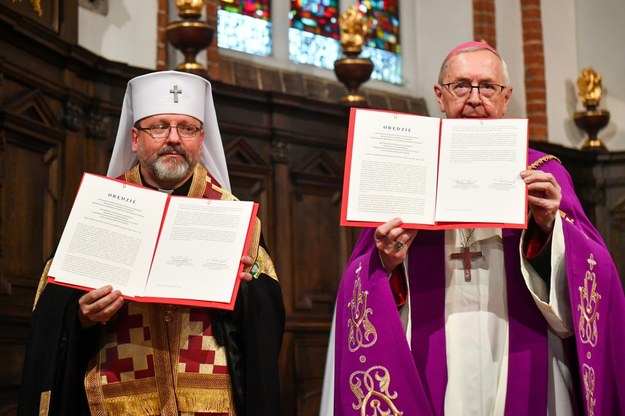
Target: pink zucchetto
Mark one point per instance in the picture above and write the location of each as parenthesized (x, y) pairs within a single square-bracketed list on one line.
[(468, 45)]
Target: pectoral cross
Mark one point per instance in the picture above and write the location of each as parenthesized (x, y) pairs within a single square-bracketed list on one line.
[(175, 91), (466, 255)]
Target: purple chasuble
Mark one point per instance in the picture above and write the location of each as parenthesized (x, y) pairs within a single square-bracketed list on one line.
[(375, 368)]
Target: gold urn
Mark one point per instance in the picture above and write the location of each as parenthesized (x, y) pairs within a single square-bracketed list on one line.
[(593, 119), (351, 70)]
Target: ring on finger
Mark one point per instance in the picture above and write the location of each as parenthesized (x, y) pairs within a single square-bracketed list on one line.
[(399, 245)]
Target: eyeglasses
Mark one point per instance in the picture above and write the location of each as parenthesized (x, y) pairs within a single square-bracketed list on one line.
[(485, 89), (161, 131)]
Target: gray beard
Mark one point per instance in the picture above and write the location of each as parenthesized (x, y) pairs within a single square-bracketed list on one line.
[(164, 171)]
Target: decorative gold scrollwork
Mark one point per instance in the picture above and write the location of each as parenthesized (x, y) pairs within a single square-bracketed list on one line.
[(588, 374), (371, 389), (588, 307), (362, 333)]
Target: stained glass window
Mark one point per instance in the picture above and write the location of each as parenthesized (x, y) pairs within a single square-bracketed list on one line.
[(245, 26), (314, 32), (382, 44)]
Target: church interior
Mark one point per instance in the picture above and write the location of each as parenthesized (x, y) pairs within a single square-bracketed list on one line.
[(64, 66)]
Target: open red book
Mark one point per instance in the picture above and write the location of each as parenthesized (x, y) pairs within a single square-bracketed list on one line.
[(152, 246), (434, 173)]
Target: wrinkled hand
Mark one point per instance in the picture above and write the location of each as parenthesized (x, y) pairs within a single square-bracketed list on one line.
[(247, 263), (99, 306), (544, 196), (393, 241)]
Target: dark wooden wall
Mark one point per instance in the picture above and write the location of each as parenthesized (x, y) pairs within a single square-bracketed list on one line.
[(59, 107)]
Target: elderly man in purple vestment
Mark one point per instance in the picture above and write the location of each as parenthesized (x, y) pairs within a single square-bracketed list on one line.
[(532, 323)]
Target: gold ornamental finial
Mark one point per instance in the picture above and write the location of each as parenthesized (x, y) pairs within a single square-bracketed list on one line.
[(589, 85), (36, 6), (189, 8), (353, 30), (592, 119)]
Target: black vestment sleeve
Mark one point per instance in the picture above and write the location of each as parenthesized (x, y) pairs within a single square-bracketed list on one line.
[(57, 355), (252, 335)]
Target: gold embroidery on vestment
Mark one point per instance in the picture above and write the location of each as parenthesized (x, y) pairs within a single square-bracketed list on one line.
[(265, 264), (587, 329), (371, 388), (588, 376), (588, 307), (198, 183), (133, 175), (362, 333)]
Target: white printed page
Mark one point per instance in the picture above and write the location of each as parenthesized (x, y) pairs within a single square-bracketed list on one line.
[(200, 248), (110, 236), (480, 162), (393, 167)]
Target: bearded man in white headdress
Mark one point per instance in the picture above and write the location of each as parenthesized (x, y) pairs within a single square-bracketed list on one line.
[(96, 353)]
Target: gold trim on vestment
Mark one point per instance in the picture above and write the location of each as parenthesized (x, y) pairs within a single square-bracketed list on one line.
[(165, 332), (43, 282), (44, 403), (206, 400), (137, 404), (209, 393), (265, 264), (199, 182), (541, 161), (133, 175), (93, 388)]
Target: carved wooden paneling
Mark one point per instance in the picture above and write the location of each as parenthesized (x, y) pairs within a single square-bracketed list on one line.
[(59, 106), (317, 184), (612, 225), (310, 355), (250, 173), (32, 143)]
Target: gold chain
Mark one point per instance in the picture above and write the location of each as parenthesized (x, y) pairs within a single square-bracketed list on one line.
[(465, 243)]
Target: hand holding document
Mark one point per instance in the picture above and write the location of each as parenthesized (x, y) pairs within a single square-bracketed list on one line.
[(153, 247), (434, 173)]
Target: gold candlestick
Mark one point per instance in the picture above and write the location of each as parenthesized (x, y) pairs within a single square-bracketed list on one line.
[(592, 119), (190, 35), (351, 70)]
